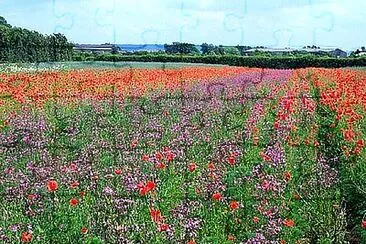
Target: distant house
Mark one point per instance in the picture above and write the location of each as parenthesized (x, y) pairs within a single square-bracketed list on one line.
[(338, 53), (361, 54), (92, 48), (317, 51), (275, 51)]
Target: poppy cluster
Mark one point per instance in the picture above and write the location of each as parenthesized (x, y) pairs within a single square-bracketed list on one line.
[(80, 84), (148, 187)]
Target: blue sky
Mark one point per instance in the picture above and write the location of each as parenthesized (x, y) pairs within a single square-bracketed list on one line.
[(273, 23)]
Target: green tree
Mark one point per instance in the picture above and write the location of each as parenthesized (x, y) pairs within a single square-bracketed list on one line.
[(231, 51), (181, 48), (208, 49), (22, 45), (4, 22), (115, 49), (242, 49)]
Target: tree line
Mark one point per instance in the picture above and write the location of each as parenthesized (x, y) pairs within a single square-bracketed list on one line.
[(22, 45), (205, 49), (183, 48)]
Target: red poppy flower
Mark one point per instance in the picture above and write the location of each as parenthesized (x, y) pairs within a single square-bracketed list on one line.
[(255, 219), (266, 185), (287, 176), (297, 197), (211, 166), (150, 185), (159, 156), (348, 135), (217, 196), (84, 230), (265, 157), (169, 156), (163, 227), (156, 215), (289, 222), (231, 238), (145, 158), (231, 160), (26, 237), (363, 224), (118, 171), (133, 144), (192, 167), (143, 191), (73, 167), (277, 125), (234, 205), (31, 196), (74, 184), (160, 165), (74, 202), (52, 185), (191, 242), (357, 150), (82, 193), (360, 143), (140, 185)]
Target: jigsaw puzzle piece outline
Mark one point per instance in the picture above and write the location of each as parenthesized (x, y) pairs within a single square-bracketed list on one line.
[(146, 32), (97, 13), (240, 20), (62, 16), (186, 16), (277, 42), (324, 29)]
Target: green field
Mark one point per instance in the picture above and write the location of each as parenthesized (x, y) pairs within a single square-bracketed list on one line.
[(16, 67)]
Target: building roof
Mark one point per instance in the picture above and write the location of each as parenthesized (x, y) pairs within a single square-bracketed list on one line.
[(93, 49), (82, 46), (270, 50)]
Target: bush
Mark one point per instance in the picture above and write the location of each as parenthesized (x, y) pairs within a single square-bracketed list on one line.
[(234, 60)]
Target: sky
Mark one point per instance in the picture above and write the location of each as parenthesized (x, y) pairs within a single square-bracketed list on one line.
[(271, 23)]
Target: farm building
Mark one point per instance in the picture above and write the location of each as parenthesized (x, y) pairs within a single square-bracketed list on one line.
[(93, 48), (338, 53), (275, 51)]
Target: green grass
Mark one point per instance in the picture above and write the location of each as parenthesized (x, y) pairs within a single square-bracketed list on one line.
[(12, 67)]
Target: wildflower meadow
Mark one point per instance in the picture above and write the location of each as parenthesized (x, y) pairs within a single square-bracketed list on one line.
[(183, 155)]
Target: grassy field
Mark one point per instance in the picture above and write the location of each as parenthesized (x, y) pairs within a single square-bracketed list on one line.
[(94, 65)]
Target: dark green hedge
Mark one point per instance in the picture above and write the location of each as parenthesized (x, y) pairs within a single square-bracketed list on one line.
[(253, 61)]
